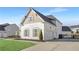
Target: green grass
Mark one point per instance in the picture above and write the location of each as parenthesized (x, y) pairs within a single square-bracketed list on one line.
[(13, 45)]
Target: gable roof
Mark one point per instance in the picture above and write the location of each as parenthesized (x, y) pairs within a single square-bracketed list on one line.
[(2, 26), (66, 28), (26, 16), (41, 15)]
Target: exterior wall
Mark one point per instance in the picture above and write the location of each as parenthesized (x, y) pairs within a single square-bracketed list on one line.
[(3, 34), (12, 29), (58, 29), (32, 26), (49, 31)]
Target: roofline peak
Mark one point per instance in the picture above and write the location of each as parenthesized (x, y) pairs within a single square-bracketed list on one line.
[(30, 8)]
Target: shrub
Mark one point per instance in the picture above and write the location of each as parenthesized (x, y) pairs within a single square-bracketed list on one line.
[(41, 36)]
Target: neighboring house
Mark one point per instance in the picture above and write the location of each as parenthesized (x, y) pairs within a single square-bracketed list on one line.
[(75, 28), (35, 22), (66, 32), (7, 30), (2, 30)]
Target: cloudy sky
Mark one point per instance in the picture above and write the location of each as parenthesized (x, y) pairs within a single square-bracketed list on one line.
[(68, 16)]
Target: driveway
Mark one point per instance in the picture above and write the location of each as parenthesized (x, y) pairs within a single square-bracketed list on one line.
[(54, 46)]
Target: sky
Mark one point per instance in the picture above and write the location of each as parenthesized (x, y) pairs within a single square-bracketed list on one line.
[(67, 15)]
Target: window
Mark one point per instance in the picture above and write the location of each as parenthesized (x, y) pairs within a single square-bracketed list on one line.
[(26, 32), (35, 32), (30, 18)]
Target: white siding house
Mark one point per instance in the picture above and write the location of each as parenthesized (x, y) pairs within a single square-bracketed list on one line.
[(34, 22), (7, 30)]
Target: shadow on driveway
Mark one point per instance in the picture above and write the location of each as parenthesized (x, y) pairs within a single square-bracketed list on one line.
[(63, 40)]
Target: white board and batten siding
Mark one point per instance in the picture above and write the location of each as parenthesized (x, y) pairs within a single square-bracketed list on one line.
[(58, 28), (31, 26), (49, 31)]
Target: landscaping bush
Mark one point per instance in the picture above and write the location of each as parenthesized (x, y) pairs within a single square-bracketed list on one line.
[(41, 36)]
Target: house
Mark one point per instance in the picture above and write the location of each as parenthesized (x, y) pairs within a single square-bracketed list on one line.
[(75, 29), (7, 30), (35, 23), (66, 32)]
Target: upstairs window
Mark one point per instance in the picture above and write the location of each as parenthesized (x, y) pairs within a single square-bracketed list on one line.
[(30, 18)]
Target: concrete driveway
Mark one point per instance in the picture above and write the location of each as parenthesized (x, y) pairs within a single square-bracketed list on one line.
[(54, 46)]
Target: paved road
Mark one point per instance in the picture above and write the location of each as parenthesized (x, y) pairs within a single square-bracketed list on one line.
[(54, 46)]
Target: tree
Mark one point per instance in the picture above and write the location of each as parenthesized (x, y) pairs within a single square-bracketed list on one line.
[(41, 36)]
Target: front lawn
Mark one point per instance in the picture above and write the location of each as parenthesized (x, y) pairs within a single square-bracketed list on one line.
[(13, 45)]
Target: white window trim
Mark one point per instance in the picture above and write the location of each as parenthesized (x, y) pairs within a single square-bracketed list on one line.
[(28, 33), (33, 32)]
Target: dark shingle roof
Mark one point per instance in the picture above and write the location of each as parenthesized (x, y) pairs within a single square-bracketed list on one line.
[(41, 15), (53, 18), (66, 28), (44, 17), (2, 26)]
